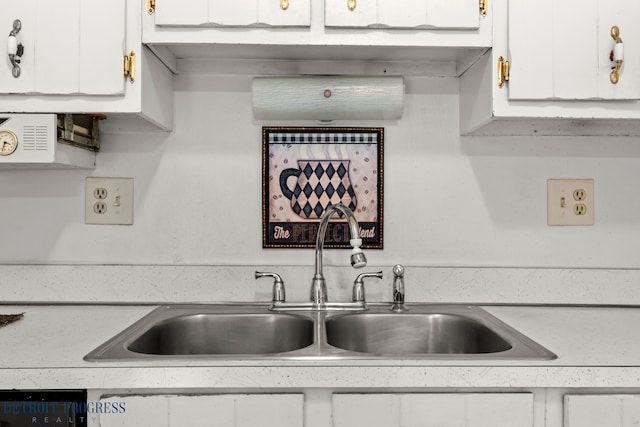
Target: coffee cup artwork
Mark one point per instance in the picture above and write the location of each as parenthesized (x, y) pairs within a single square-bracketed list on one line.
[(307, 170), (319, 185)]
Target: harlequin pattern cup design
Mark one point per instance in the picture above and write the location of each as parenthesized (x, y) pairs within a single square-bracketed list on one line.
[(319, 185)]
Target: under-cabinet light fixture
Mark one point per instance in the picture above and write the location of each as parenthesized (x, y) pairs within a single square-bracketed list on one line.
[(328, 98)]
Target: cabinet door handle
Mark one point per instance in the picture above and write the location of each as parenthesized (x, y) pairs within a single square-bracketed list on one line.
[(351, 5), (617, 55), (15, 49), (284, 4)]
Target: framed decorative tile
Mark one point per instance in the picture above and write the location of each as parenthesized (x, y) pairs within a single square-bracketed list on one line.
[(307, 169)]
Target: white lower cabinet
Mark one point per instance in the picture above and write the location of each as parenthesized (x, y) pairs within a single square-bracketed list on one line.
[(429, 409), (433, 410), (602, 410), (225, 410)]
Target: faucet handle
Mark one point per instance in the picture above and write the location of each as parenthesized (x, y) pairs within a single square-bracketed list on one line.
[(278, 285), (398, 289), (358, 285)]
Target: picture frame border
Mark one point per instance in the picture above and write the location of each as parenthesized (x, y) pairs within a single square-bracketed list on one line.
[(268, 243)]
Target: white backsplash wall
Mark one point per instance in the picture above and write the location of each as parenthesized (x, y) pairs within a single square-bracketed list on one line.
[(448, 200)]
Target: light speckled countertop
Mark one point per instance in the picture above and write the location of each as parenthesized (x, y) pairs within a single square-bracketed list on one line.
[(596, 347)]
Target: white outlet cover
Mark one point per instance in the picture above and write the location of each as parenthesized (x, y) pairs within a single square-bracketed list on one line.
[(119, 201), (561, 202)]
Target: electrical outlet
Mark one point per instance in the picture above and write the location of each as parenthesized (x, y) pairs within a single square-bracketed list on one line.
[(100, 193), (108, 201), (570, 202), (100, 207)]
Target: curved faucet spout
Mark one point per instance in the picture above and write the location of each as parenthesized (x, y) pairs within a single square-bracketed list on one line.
[(358, 259)]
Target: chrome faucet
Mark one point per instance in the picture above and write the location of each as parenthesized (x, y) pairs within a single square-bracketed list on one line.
[(358, 259)]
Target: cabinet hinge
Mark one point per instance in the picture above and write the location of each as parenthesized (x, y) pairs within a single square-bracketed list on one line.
[(484, 5), (504, 70), (129, 66), (151, 6)]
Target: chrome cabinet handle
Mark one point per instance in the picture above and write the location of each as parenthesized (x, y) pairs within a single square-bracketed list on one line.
[(15, 49)]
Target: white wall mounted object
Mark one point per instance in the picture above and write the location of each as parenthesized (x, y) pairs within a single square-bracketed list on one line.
[(108, 201), (38, 146), (328, 98)]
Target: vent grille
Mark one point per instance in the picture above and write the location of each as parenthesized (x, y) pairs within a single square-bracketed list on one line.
[(35, 138)]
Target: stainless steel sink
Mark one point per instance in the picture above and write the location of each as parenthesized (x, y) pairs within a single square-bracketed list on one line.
[(195, 331), (406, 334), (250, 331), (265, 333)]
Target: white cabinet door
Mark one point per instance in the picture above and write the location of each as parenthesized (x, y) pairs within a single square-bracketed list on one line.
[(615, 410), (434, 14), (236, 12), (233, 13), (561, 49), (232, 410), (433, 410), (70, 46), (297, 13)]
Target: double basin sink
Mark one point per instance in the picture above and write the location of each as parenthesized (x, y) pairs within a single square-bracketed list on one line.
[(251, 331)]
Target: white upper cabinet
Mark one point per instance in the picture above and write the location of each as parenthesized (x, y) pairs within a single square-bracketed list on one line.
[(563, 49), (558, 58), (233, 13), (444, 36), (70, 46), (73, 62), (427, 14)]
